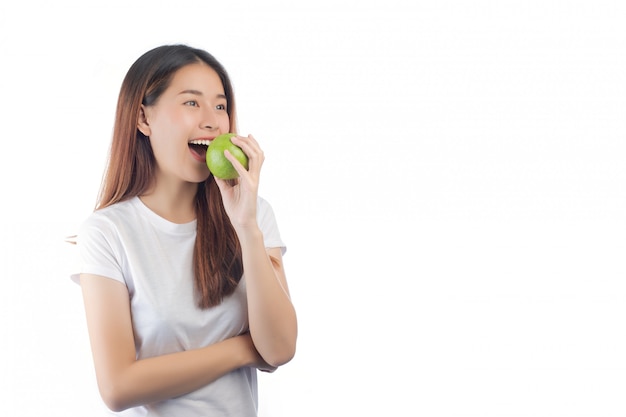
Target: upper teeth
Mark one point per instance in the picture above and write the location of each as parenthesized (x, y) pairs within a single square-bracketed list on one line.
[(201, 142)]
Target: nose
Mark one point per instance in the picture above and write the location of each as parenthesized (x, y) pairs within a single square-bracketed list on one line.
[(209, 120)]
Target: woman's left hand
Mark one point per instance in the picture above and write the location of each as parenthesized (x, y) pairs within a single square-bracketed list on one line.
[(240, 196)]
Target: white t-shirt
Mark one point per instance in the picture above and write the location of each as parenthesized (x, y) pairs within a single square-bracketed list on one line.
[(152, 256)]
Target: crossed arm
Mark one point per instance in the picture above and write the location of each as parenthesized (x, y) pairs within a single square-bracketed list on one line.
[(125, 382)]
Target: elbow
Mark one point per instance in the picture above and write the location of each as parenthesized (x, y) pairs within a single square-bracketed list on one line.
[(113, 401), (114, 406), (281, 360), (114, 397), (281, 355), (277, 360), (277, 348)]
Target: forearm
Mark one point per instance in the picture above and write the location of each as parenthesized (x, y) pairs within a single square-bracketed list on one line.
[(271, 314), (164, 377)]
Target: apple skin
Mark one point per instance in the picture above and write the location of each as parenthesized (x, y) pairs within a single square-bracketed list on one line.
[(219, 166)]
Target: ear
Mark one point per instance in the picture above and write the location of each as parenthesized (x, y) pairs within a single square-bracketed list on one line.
[(142, 122)]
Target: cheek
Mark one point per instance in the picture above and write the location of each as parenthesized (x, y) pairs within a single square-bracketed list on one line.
[(170, 129), (225, 123), (174, 121), (166, 143)]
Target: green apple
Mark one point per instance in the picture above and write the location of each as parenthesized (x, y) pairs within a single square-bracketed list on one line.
[(217, 162)]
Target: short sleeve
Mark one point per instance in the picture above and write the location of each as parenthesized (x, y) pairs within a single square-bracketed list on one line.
[(269, 226), (98, 250)]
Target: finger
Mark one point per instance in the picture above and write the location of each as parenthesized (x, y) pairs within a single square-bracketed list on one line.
[(241, 170), (247, 139), (253, 151), (255, 155), (249, 145)]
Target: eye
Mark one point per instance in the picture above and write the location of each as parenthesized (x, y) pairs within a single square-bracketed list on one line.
[(192, 103), (221, 107)]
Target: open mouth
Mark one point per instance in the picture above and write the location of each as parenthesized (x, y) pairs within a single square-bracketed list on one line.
[(198, 149)]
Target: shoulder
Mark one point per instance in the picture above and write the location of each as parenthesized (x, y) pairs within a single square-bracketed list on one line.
[(109, 219), (265, 211), (262, 204), (268, 225), (118, 210)]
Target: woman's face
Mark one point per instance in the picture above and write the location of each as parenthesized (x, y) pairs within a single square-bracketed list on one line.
[(193, 108)]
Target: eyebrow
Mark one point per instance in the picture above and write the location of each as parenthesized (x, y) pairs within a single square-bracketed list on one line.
[(199, 93)]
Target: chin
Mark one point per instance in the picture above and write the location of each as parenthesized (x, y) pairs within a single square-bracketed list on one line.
[(203, 179), (198, 176)]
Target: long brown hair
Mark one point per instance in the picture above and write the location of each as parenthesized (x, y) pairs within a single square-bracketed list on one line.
[(131, 165)]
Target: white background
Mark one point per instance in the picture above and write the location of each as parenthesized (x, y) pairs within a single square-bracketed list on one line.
[(449, 177)]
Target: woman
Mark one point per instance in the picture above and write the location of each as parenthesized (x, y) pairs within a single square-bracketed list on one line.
[(182, 275)]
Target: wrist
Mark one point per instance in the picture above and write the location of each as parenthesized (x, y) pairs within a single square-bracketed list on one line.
[(248, 233), (245, 350)]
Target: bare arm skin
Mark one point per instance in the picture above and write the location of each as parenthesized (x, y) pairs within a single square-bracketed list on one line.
[(125, 382), (271, 314)]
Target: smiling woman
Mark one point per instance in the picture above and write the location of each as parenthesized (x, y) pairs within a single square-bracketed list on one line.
[(193, 108), (175, 325)]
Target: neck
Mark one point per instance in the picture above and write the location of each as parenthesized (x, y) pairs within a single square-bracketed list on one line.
[(173, 202)]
